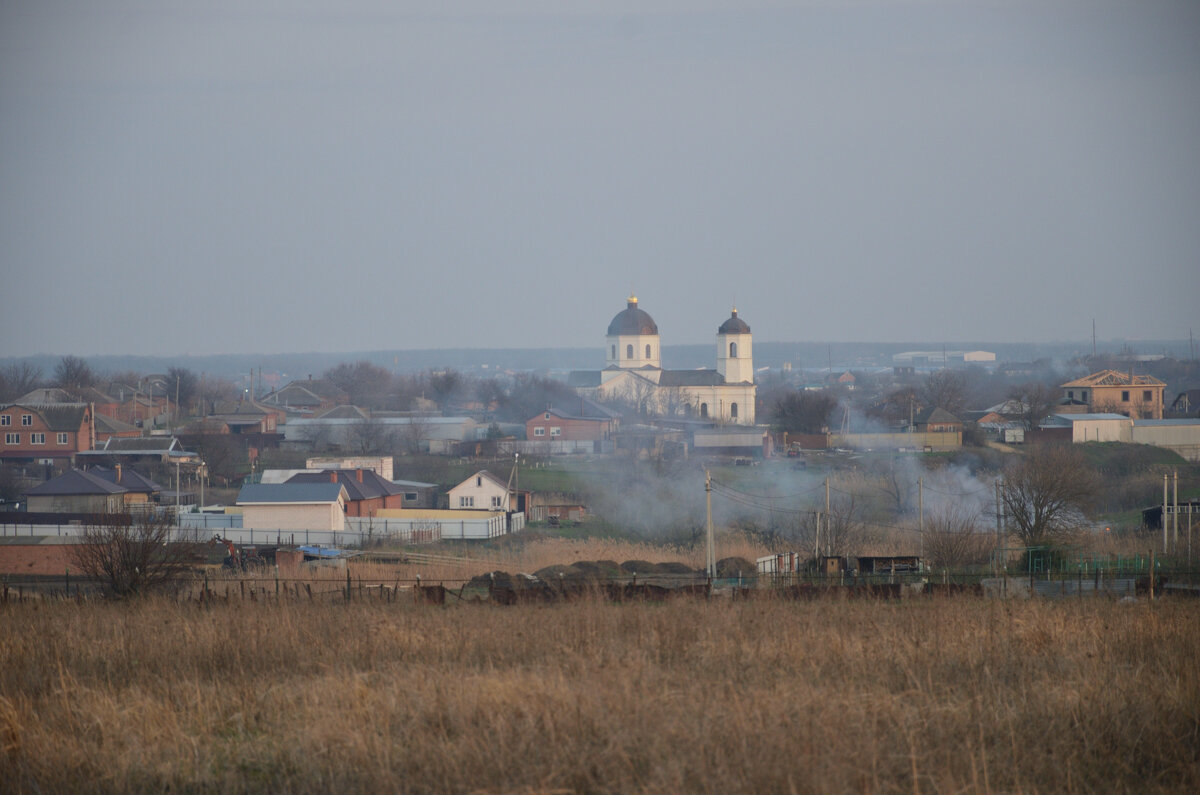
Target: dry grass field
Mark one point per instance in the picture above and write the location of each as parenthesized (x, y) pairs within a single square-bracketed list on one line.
[(918, 695)]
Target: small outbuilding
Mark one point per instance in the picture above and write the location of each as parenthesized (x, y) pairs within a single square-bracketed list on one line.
[(293, 506)]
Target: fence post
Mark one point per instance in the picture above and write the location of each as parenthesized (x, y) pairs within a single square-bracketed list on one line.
[(347, 584)]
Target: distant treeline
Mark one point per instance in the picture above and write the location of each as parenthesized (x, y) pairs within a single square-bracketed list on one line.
[(807, 355)]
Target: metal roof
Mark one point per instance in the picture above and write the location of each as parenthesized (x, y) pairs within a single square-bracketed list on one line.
[(272, 493), (632, 320), (75, 483)]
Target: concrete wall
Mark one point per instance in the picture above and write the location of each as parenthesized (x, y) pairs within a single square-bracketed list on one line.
[(1182, 437), (1102, 430)]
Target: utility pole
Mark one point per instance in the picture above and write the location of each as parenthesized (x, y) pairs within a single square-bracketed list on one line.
[(921, 514), (710, 563), (999, 537), (827, 528), (1175, 514), (1164, 513)]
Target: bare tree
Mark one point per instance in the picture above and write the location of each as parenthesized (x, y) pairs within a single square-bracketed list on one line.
[(1036, 401), (18, 378), (955, 537), (73, 372), (131, 554), (366, 384), (946, 389), (370, 435), (802, 412), (898, 480), (1043, 493)]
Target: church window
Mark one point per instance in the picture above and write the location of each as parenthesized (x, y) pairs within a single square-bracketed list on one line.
[(704, 410), (733, 410), (628, 351), (614, 351), (479, 481), (733, 350), (647, 351)]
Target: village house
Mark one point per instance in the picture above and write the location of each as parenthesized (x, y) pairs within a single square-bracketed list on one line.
[(1116, 392), (51, 433), (366, 492), (483, 491), (94, 491)]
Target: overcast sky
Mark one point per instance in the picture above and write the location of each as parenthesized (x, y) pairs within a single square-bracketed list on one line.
[(251, 176)]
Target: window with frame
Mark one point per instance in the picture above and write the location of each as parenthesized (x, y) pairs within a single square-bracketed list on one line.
[(5, 419), (466, 502), (628, 351), (555, 430), (647, 351), (733, 411), (62, 438), (539, 431), (27, 420), (410, 496), (495, 502), (733, 350), (1147, 396), (1125, 396), (12, 438), (37, 438)]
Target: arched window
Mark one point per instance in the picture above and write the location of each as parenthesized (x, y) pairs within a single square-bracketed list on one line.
[(704, 410), (647, 351), (628, 351), (614, 351), (733, 350), (733, 411)]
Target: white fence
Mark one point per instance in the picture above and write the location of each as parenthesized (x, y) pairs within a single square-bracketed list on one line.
[(359, 531)]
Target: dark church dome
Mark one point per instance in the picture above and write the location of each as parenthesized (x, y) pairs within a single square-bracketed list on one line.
[(734, 325), (632, 321)]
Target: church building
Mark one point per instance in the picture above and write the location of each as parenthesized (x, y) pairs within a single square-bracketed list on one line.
[(633, 372)]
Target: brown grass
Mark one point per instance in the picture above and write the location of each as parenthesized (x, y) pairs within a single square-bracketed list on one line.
[(766, 696)]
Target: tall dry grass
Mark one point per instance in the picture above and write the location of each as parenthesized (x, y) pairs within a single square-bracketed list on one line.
[(707, 696)]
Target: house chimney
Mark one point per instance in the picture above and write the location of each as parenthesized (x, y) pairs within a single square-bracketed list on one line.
[(358, 473), (332, 476), (118, 468)]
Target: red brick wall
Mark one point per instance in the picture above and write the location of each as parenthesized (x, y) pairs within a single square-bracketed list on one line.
[(36, 559), (572, 429)]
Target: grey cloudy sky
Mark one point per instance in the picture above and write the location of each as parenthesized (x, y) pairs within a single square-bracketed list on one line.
[(210, 177)]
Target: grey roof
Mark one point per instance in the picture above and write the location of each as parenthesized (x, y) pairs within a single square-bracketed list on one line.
[(305, 393), (583, 378), (344, 413), (734, 325), (1095, 416), (107, 424), (690, 378), (936, 414), (142, 444), (264, 493), (414, 484), (46, 395), (1176, 422), (57, 416), (371, 486), (75, 483), (130, 480), (582, 409), (632, 320)]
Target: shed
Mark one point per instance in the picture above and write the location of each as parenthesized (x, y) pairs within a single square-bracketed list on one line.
[(293, 506)]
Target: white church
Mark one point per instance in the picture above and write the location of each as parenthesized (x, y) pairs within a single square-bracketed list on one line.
[(633, 372)]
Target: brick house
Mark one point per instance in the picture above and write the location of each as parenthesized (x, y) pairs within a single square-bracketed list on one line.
[(366, 492), (1112, 391), (51, 433), (587, 421)]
